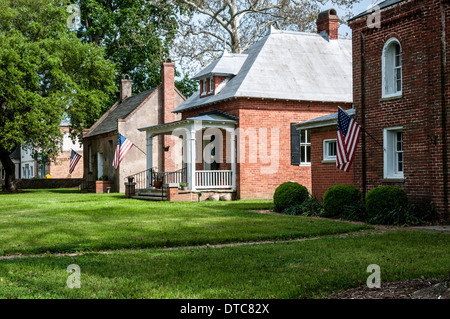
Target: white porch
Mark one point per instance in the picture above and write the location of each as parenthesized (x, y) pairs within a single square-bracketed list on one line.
[(209, 178)]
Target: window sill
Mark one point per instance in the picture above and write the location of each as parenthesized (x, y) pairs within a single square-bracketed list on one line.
[(391, 98), (329, 161), (393, 180), (305, 165)]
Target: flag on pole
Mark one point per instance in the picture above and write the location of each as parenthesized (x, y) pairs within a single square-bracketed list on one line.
[(122, 148), (74, 158), (348, 132)]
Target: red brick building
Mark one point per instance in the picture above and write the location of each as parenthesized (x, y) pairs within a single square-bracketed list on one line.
[(400, 94), (250, 101)]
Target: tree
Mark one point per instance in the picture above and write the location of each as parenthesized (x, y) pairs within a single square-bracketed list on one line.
[(46, 73), (235, 25), (136, 34)]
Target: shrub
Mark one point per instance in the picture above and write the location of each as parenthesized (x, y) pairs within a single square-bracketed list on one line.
[(338, 197), (386, 205), (310, 207), (402, 215), (289, 194)]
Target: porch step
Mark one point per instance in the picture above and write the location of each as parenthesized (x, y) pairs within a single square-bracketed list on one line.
[(150, 198), (151, 195)]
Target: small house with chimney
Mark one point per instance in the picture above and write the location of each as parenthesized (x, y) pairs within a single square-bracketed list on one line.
[(130, 112), (237, 131)]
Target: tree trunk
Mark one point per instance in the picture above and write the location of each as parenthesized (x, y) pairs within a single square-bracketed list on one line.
[(10, 170)]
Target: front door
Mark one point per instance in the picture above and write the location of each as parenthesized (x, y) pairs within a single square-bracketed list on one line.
[(209, 154)]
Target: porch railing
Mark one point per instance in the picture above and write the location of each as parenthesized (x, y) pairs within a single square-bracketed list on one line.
[(146, 179), (203, 179), (142, 179), (213, 179)]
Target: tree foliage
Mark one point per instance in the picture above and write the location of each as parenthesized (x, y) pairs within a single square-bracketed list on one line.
[(235, 25), (46, 73), (136, 34)]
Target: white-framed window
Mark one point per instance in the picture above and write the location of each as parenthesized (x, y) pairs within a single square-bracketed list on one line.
[(393, 153), (205, 86), (305, 148), (392, 69), (329, 150), (211, 84)]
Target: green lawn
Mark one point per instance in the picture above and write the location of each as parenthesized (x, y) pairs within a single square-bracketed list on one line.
[(67, 221), (308, 269), (137, 266)]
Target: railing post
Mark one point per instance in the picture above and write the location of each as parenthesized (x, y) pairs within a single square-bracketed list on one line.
[(191, 159), (149, 160), (233, 160)]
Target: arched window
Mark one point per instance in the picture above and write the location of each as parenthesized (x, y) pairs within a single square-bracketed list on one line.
[(392, 68)]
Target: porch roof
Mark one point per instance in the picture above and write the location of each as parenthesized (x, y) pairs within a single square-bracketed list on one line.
[(204, 118), (323, 121)]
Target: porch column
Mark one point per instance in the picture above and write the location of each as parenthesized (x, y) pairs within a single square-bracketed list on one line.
[(233, 159), (191, 152), (149, 157)]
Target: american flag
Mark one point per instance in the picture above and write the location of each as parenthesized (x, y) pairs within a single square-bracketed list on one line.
[(122, 148), (348, 132), (74, 158)]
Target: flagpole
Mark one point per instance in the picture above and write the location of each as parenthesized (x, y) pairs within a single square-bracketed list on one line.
[(139, 149), (365, 131)]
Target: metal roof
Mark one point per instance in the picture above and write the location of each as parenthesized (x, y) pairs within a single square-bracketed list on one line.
[(290, 66), (323, 121), (109, 123), (382, 5)]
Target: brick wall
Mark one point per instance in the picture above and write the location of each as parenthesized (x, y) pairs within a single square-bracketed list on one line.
[(266, 119), (60, 167), (325, 175), (422, 110)]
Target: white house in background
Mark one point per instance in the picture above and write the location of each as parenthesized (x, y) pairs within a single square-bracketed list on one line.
[(27, 162)]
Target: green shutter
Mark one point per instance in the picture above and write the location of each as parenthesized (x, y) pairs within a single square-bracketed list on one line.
[(295, 145)]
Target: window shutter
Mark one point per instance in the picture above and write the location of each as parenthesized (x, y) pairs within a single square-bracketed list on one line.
[(295, 145)]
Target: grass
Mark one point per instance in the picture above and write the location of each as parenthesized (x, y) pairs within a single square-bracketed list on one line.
[(53, 221), (137, 265), (307, 269)]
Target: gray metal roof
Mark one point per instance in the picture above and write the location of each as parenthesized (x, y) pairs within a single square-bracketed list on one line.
[(382, 5), (109, 123), (289, 65), (227, 64), (323, 121)]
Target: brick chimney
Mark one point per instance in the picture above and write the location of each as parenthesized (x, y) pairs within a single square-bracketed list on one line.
[(168, 91), (168, 86), (328, 21), (125, 87)]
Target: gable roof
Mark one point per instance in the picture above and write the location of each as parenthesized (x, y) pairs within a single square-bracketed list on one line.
[(289, 65), (109, 122), (382, 5), (15, 154)]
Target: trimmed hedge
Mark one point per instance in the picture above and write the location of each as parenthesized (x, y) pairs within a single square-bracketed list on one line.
[(338, 197), (289, 194), (384, 203)]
